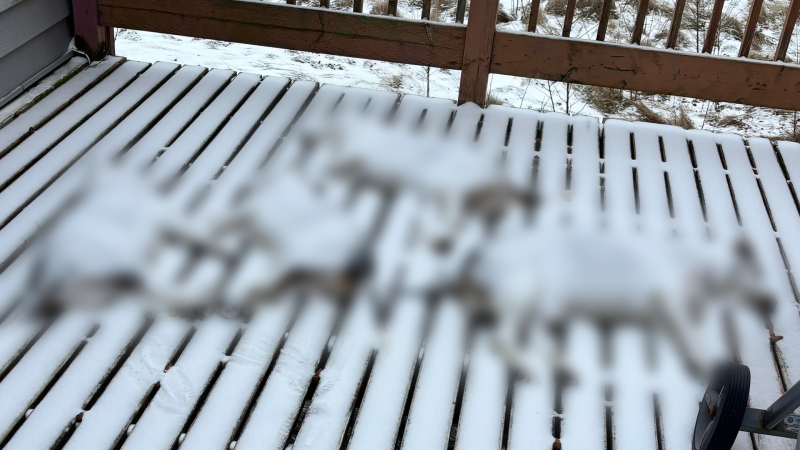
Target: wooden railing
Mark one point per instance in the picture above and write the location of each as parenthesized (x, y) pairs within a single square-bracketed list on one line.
[(476, 49)]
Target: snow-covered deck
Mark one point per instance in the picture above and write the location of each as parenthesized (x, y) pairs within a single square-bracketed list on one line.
[(282, 378)]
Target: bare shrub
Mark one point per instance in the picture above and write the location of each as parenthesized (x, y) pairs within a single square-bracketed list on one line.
[(380, 8), (392, 82), (526, 13)]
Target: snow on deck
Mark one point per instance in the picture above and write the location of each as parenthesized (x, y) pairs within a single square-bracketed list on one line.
[(389, 369)]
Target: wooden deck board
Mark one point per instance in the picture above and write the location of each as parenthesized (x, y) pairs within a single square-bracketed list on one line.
[(203, 128), (29, 379), (25, 154), (279, 403), (43, 171), (35, 116), (167, 130), (232, 136), (66, 398)]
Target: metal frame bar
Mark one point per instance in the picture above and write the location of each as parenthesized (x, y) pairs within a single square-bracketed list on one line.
[(772, 421), (754, 423), (782, 407)]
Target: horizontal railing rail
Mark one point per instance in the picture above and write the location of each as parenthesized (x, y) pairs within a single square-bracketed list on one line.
[(295, 28), (476, 49)]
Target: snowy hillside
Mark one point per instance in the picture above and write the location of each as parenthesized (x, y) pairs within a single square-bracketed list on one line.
[(514, 91)]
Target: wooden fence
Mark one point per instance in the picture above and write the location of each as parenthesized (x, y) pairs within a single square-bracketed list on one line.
[(477, 49)]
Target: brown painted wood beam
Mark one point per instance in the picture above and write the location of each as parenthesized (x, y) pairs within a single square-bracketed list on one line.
[(750, 28), (788, 29), (534, 17), (713, 26), (657, 71), (358, 6), (426, 9), (478, 51), (675, 26), (295, 28), (90, 37), (602, 26), (392, 8), (568, 18), (641, 15)]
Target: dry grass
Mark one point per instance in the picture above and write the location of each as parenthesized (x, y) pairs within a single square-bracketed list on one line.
[(772, 14), (680, 118), (493, 99), (441, 10), (644, 114), (732, 27), (730, 121), (556, 7), (586, 9), (342, 5), (606, 100), (525, 16), (661, 8), (614, 102), (677, 117), (503, 16)]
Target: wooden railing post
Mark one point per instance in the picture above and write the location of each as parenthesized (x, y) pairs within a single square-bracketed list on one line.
[(534, 17), (713, 26), (568, 18), (461, 7), (478, 51), (91, 38), (750, 28), (641, 14), (604, 16), (786, 32), (675, 26)]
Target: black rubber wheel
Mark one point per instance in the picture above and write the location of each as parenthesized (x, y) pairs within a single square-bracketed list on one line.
[(716, 427)]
